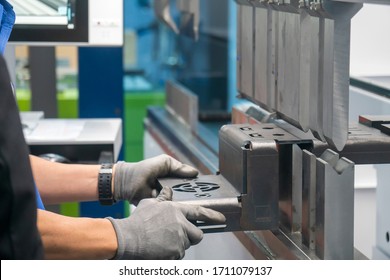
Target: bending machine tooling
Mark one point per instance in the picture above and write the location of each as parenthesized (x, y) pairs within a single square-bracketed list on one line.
[(284, 170)]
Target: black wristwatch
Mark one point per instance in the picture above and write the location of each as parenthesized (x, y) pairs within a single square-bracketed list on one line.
[(104, 184)]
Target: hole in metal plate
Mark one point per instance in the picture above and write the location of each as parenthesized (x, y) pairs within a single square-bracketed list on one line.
[(200, 189), (203, 195), (256, 135), (246, 128)]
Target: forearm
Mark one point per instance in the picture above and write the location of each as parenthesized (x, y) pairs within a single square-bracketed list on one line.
[(76, 238), (59, 182)]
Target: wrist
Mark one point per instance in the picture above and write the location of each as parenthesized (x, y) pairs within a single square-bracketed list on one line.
[(119, 183), (111, 245), (119, 238)]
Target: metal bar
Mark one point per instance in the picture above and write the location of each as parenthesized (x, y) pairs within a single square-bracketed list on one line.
[(288, 98), (308, 199), (315, 101), (285, 187), (182, 103), (374, 121), (261, 54), (337, 28), (239, 51), (305, 69), (182, 139), (273, 60), (247, 51), (334, 207), (326, 73), (297, 188), (382, 248)]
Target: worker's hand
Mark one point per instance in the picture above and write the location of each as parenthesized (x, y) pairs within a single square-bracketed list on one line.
[(160, 228), (136, 181)]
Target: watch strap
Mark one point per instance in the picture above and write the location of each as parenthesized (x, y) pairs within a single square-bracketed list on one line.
[(104, 184)]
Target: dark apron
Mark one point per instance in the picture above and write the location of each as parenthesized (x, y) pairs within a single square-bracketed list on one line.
[(19, 236)]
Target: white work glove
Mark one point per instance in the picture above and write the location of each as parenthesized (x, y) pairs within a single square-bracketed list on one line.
[(136, 181), (160, 228)]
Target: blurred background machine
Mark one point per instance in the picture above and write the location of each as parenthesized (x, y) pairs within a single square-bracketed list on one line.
[(282, 161)]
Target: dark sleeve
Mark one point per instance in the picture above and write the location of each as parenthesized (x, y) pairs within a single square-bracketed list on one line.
[(19, 236)]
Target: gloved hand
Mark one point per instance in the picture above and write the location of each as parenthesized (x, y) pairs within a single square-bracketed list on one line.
[(160, 229), (136, 181)]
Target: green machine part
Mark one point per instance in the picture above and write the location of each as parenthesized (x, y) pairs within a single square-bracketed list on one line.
[(136, 104)]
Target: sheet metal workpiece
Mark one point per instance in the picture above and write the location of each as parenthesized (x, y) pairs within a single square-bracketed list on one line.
[(210, 191), (249, 160)]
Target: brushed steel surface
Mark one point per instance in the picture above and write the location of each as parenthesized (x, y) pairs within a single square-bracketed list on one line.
[(315, 101), (261, 53), (308, 199), (334, 207), (246, 49), (248, 157), (335, 84), (300, 63), (297, 169), (288, 93), (182, 103), (304, 70), (238, 49), (273, 58), (383, 207)]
